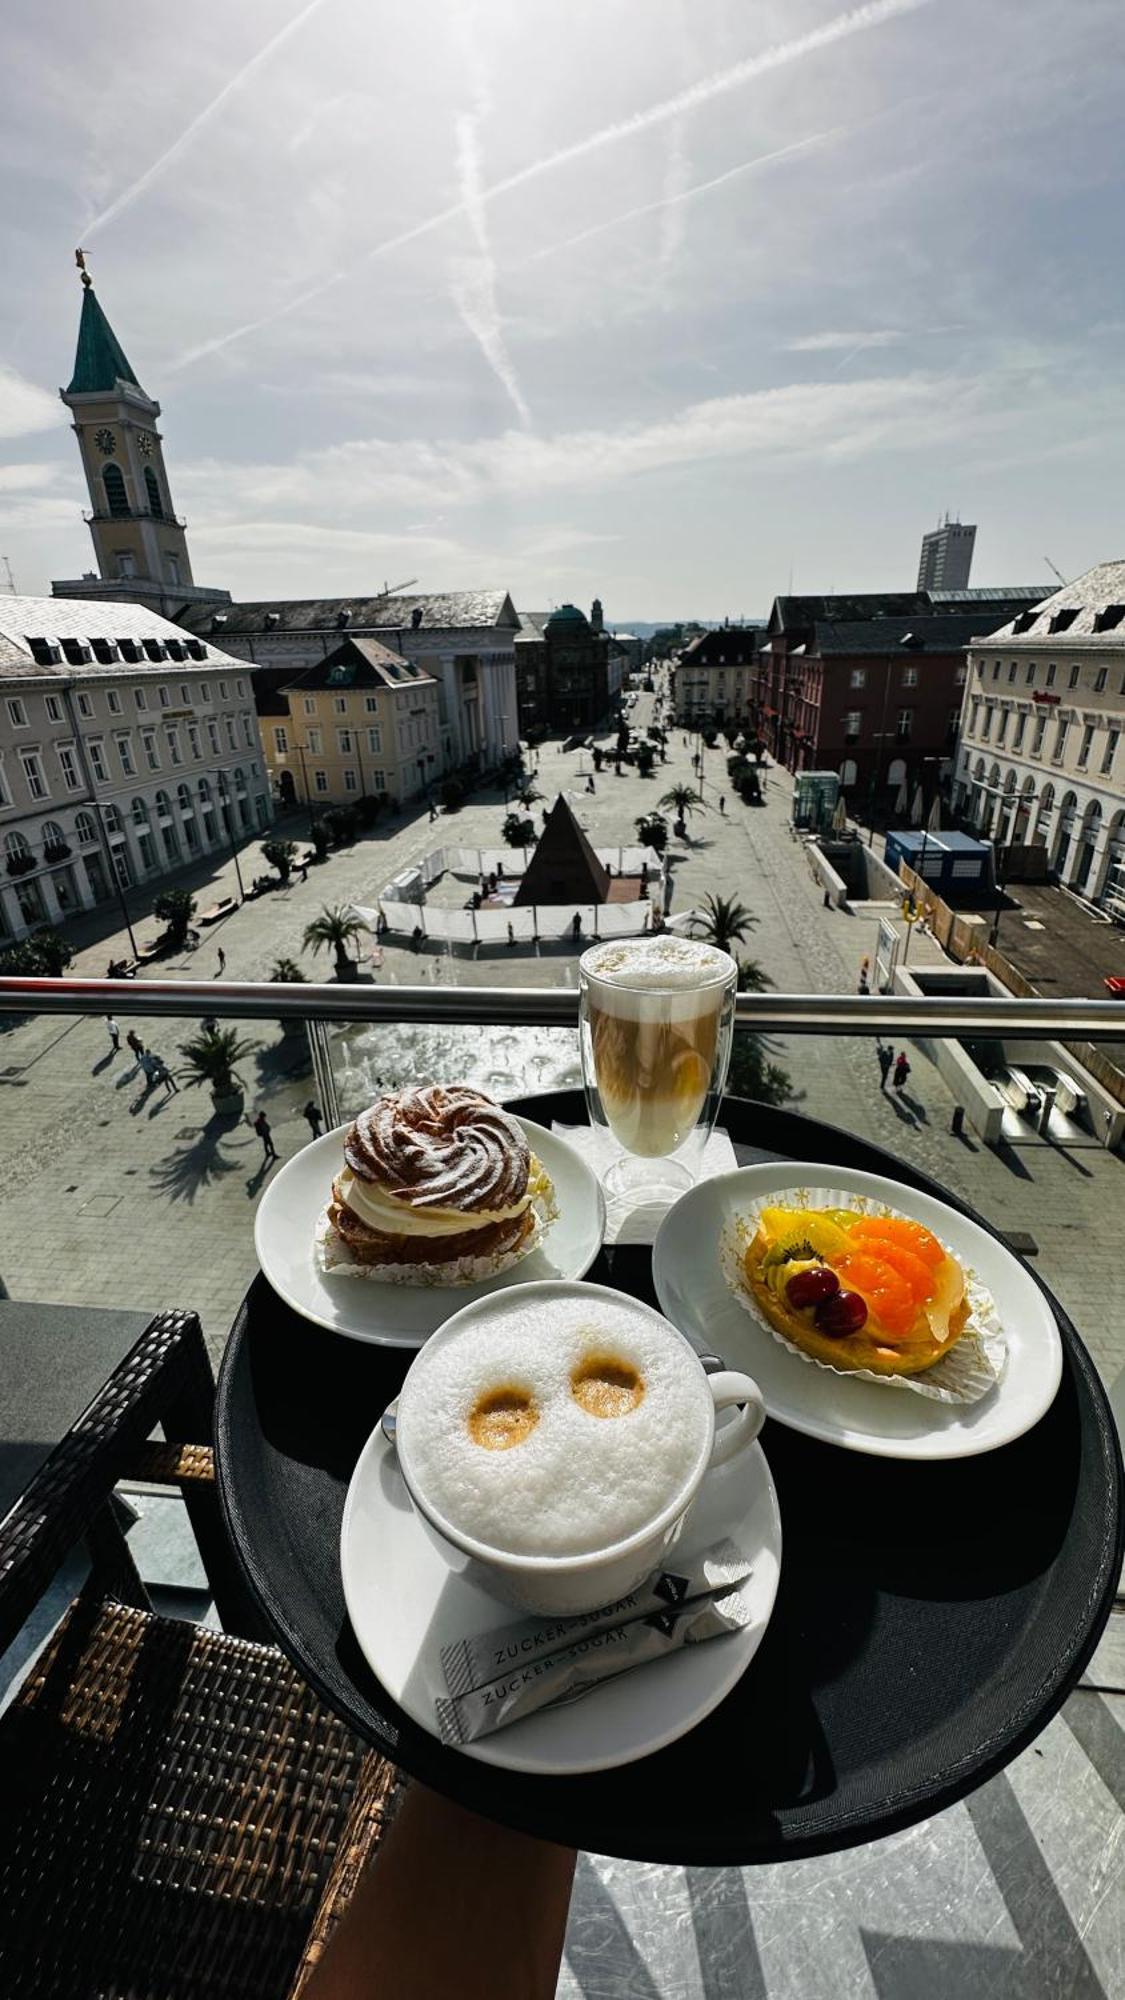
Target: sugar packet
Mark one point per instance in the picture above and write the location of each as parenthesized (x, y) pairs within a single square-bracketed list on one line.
[(488, 1656), (598, 1656)]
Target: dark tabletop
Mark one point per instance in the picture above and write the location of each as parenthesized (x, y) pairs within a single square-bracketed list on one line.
[(930, 1617), (53, 1361)]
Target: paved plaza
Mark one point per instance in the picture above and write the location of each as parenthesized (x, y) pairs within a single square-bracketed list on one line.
[(127, 1197)]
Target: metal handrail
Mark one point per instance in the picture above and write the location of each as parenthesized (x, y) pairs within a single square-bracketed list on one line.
[(557, 1007)]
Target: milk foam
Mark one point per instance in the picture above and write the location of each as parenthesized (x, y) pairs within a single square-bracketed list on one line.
[(578, 1482), (663, 978)]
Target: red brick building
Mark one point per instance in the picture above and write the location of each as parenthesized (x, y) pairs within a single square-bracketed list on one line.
[(870, 686)]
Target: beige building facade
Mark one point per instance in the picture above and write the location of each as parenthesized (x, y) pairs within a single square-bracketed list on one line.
[(127, 750), (364, 723), (1042, 752)]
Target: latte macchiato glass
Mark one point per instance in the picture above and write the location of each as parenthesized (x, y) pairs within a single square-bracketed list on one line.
[(656, 1021)]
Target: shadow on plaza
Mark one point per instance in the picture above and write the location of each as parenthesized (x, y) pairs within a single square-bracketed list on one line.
[(201, 1163)]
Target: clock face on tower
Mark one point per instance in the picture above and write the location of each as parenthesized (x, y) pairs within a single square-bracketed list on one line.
[(146, 443), (105, 441)]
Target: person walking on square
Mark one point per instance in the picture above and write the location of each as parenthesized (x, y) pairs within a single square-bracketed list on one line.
[(222, 958), (148, 1063), (886, 1057), (902, 1070), (114, 1034), (136, 1044), (262, 1128), (162, 1074), (723, 803), (315, 1117)]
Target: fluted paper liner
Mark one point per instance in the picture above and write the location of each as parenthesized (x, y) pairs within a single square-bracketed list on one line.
[(966, 1374), (335, 1259)]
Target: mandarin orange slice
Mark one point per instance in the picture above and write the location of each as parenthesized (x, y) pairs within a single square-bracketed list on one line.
[(899, 1230)]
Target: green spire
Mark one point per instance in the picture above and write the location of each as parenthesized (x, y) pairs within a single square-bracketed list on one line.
[(100, 361)]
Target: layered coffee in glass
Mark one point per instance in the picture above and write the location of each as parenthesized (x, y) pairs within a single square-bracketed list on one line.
[(656, 1021)]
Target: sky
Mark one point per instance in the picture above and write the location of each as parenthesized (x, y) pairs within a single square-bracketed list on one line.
[(681, 303)]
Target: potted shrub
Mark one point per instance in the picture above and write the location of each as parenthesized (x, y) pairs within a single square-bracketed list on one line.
[(652, 831), (286, 972), (176, 907), (342, 825), (210, 1057), (320, 833), (518, 831), (682, 799), (281, 855), (334, 930)]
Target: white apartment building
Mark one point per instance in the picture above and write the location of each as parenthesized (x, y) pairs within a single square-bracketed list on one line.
[(1041, 757), (127, 749)]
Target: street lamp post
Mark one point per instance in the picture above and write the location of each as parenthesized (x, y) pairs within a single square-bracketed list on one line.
[(225, 804)]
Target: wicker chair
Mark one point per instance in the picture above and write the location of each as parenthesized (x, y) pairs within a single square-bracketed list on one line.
[(181, 1817)]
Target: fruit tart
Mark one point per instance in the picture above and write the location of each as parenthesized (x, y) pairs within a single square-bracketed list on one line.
[(853, 1290)]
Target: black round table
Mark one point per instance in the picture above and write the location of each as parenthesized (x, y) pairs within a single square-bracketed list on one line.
[(930, 1618)]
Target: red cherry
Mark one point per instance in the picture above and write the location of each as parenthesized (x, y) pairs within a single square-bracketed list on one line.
[(845, 1313), (811, 1287)]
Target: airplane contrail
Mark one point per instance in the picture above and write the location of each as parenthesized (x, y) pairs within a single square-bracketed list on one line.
[(144, 181), (856, 20), (474, 281)]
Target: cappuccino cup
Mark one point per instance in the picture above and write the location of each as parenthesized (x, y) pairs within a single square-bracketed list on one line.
[(554, 1437)]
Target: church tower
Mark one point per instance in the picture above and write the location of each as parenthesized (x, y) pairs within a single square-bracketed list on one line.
[(139, 541)]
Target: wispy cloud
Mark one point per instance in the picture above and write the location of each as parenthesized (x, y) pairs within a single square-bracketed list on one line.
[(202, 118), (676, 172), (474, 278), (827, 343), (854, 21), (24, 407), (691, 193)]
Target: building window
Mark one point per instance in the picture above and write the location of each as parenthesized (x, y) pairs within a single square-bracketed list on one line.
[(222, 690), (85, 706), (904, 724), (247, 732), (185, 696), (1002, 726), (139, 698), (1051, 672), (1100, 679), (172, 568), (33, 772), (1109, 753), (995, 670), (281, 741), (205, 692), (1029, 677), (240, 690), (172, 739), (85, 831), (194, 749), (344, 742), (116, 498), (340, 704), (315, 743), (349, 780), (126, 564), (1040, 732), (165, 698), (986, 727), (152, 755), (97, 761), (961, 675), (1074, 673), (54, 712), (974, 712), (953, 723), (371, 704), (155, 503), (853, 723), (67, 767), (232, 740), (1012, 670), (379, 779), (310, 705), (114, 700), (375, 742), (17, 713), (1021, 725), (213, 737), (140, 813), (125, 752), (1084, 746), (320, 780), (1060, 741), (910, 677)]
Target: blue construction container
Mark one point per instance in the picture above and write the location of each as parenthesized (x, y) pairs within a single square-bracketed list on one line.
[(952, 863)]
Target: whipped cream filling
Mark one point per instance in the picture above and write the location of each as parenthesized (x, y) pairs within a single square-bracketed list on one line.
[(391, 1217)]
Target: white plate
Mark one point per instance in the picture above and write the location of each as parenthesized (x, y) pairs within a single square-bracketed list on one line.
[(406, 1315), (862, 1416), (405, 1604)]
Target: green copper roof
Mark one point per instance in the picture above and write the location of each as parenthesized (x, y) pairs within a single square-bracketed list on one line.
[(100, 361)]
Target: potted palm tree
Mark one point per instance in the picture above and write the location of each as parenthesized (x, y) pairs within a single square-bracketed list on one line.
[(210, 1056), (723, 921), (334, 930), (682, 799), (281, 855), (286, 972)]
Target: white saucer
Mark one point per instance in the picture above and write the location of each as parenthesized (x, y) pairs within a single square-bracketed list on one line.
[(862, 1416), (406, 1315), (405, 1604)]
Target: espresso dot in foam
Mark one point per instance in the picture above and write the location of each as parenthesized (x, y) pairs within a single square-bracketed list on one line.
[(653, 1007), (622, 1415)]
